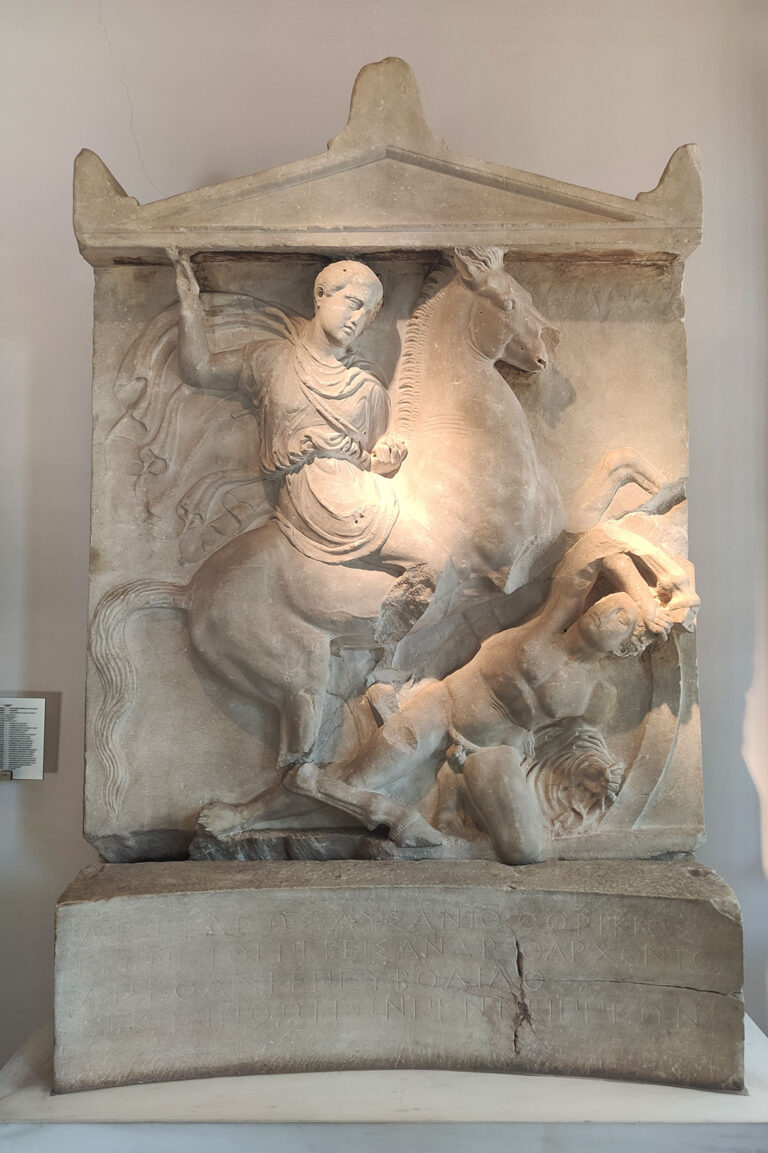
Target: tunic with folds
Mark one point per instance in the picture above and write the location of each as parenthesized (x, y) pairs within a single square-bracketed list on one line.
[(318, 422)]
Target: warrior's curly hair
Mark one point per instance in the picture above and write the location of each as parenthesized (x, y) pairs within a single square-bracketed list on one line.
[(575, 776)]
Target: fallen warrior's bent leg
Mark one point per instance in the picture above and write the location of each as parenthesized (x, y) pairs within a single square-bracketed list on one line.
[(403, 743), (504, 804), (406, 826), (407, 739)]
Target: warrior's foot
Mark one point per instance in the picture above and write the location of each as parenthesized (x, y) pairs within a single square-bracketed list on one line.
[(413, 831), (220, 819)]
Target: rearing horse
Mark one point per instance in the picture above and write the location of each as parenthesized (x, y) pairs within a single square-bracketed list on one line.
[(472, 475)]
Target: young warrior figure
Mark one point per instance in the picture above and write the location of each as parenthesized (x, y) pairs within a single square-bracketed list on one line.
[(488, 712), (323, 416)]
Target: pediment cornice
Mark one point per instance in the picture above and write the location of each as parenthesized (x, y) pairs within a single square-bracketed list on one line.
[(387, 182)]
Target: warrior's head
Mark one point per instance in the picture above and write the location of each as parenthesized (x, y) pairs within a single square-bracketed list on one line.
[(609, 626), (348, 297)]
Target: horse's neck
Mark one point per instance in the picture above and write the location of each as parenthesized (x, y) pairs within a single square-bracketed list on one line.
[(437, 335)]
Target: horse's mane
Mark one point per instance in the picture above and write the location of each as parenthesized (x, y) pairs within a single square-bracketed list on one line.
[(407, 382)]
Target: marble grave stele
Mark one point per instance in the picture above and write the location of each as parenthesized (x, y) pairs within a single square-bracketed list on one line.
[(393, 748)]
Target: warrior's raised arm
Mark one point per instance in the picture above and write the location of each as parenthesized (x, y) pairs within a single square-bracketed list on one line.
[(198, 365), (616, 552)]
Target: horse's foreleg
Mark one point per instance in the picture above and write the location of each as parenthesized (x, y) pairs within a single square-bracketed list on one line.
[(268, 809), (299, 725), (618, 467), (671, 493)]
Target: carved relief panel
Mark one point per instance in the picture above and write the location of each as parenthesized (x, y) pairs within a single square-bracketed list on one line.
[(389, 519)]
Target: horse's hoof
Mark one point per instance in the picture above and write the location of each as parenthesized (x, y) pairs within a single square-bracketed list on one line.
[(415, 833), (219, 819)]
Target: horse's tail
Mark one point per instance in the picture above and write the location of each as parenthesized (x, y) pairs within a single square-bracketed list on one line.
[(118, 677)]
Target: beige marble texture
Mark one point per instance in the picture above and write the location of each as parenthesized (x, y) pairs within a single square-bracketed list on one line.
[(389, 561), (195, 969), (542, 326), (387, 182)]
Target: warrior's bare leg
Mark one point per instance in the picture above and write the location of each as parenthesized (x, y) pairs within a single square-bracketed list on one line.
[(406, 739), (403, 743), (268, 809), (504, 804), (406, 825)]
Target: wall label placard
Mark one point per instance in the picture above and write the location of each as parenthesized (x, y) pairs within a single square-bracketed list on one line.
[(22, 737)]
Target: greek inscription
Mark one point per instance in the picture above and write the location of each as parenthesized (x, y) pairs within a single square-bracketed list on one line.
[(652, 1012), (533, 980), (457, 968)]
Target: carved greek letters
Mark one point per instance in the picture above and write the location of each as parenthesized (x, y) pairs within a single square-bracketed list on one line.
[(388, 962)]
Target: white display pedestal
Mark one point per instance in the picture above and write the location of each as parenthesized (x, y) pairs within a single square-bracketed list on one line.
[(345, 1110)]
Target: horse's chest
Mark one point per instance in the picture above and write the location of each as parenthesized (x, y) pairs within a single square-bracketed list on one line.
[(479, 428)]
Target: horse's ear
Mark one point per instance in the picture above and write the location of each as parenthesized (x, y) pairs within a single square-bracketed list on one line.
[(551, 337), (474, 264)]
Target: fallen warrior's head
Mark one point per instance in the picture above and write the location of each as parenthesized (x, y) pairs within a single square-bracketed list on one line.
[(575, 776)]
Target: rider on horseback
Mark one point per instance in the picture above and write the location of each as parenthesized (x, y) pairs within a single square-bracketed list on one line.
[(323, 416)]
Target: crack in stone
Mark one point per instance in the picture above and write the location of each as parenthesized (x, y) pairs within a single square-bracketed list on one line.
[(646, 984), (121, 59), (523, 1015)]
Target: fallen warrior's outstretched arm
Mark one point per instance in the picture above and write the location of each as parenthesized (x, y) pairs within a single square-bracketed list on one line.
[(571, 590), (625, 576), (616, 551), (199, 367)]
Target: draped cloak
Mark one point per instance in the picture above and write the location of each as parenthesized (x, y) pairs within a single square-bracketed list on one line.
[(318, 422)]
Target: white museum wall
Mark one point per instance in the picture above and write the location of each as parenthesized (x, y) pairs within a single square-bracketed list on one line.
[(184, 93)]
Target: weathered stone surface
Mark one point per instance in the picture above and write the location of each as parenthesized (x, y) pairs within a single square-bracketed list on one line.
[(359, 844), (329, 845), (389, 561), (371, 539), (217, 743), (182, 970), (387, 182)]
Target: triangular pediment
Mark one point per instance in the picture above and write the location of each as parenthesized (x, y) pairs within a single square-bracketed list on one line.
[(391, 191), (387, 182)]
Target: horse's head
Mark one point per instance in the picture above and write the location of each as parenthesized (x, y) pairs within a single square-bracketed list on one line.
[(504, 325)]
